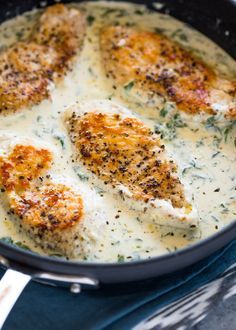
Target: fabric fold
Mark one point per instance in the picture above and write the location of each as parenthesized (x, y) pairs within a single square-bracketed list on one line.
[(123, 307)]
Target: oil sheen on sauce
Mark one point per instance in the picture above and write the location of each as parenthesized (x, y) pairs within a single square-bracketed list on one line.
[(205, 153)]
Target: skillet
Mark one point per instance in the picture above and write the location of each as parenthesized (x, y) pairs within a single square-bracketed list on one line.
[(215, 19)]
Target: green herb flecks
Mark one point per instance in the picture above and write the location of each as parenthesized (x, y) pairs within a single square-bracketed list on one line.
[(228, 129), (10, 241), (167, 109), (168, 130), (19, 35), (90, 20), (22, 246), (109, 97), (120, 258), (117, 12), (159, 30), (192, 165), (99, 191), (82, 176), (31, 16), (202, 177), (215, 154), (61, 139), (7, 240), (223, 133), (139, 12), (39, 119), (215, 218), (90, 70), (179, 34), (211, 123), (37, 133), (129, 86), (225, 210)]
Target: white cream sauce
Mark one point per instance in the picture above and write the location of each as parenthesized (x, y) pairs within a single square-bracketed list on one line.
[(206, 153)]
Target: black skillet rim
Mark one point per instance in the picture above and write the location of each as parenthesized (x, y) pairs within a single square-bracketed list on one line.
[(28, 261)]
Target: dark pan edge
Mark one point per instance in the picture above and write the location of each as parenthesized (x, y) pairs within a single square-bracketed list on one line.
[(137, 270), (29, 262)]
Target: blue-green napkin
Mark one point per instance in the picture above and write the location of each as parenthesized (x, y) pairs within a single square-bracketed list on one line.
[(42, 307)]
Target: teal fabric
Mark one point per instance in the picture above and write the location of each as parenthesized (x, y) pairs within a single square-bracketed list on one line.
[(42, 307)]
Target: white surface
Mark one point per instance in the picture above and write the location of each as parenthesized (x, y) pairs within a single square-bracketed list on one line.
[(11, 286)]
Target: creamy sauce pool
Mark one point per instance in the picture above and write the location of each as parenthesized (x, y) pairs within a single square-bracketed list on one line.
[(205, 153)]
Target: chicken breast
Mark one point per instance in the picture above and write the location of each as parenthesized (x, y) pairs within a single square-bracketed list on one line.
[(28, 68), (53, 214), (158, 69), (128, 159)]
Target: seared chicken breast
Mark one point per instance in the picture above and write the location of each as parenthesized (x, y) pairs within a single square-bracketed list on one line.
[(29, 67), (23, 164), (158, 68), (130, 160), (51, 213)]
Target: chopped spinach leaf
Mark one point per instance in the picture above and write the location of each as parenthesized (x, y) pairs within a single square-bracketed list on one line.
[(129, 86), (99, 190), (139, 12), (120, 258), (19, 35), (180, 35), (61, 139), (228, 129), (7, 240), (168, 130), (163, 112), (80, 174), (168, 108), (22, 246), (159, 30), (10, 241), (223, 132), (39, 118), (90, 20), (215, 218), (118, 12)]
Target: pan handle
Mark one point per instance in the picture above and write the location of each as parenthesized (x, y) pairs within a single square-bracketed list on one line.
[(11, 286)]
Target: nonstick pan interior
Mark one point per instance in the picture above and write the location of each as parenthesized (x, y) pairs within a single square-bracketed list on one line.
[(215, 19)]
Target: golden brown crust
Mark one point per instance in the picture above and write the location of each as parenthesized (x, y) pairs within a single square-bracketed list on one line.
[(27, 67), (24, 164), (159, 65), (61, 29), (39, 204), (49, 207), (126, 152)]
